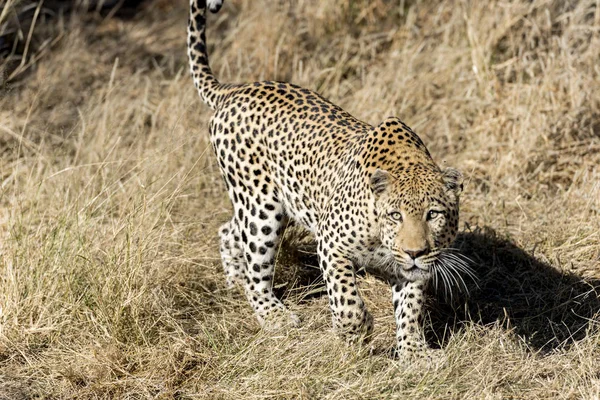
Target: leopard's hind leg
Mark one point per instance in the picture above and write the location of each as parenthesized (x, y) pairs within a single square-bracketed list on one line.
[(232, 254), (260, 222)]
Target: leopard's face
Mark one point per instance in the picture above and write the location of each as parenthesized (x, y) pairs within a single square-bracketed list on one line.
[(418, 220)]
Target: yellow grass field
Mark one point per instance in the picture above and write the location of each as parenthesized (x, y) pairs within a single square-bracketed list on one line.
[(110, 198)]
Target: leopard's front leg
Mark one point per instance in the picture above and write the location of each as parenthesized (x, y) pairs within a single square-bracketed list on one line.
[(409, 300), (349, 314)]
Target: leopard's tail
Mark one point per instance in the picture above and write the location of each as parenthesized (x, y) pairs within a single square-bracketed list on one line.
[(209, 88)]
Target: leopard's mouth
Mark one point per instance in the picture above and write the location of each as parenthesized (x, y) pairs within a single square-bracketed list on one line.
[(424, 263), (416, 265), (415, 271), (408, 269)]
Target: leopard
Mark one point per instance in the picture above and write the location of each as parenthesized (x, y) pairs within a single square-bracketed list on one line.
[(372, 196)]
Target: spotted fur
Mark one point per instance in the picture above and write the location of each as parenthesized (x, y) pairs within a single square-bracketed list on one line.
[(372, 195)]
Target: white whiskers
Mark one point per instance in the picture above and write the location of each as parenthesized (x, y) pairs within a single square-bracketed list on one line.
[(452, 267), (448, 268)]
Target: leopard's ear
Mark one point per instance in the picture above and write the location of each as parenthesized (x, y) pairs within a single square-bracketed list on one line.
[(379, 181), (453, 180)]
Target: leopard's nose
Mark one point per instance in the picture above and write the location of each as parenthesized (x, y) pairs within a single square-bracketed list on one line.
[(414, 254)]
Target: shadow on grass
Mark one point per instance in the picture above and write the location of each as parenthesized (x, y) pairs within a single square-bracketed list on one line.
[(545, 307)]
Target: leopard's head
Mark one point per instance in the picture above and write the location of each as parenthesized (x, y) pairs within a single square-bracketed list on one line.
[(417, 212), (416, 205)]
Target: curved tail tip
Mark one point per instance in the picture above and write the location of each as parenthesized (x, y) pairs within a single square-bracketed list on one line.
[(214, 5)]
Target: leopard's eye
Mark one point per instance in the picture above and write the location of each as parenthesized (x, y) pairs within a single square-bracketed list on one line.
[(432, 214), (396, 216)]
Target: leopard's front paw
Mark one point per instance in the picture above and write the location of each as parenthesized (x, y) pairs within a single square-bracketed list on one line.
[(354, 327), (279, 319), (419, 353)]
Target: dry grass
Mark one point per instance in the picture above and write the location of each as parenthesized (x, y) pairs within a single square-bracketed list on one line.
[(110, 281)]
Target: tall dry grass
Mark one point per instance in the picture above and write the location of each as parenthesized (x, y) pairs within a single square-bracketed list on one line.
[(110, 281)]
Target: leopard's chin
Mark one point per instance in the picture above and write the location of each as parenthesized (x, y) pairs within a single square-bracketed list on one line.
[(413, 273)]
